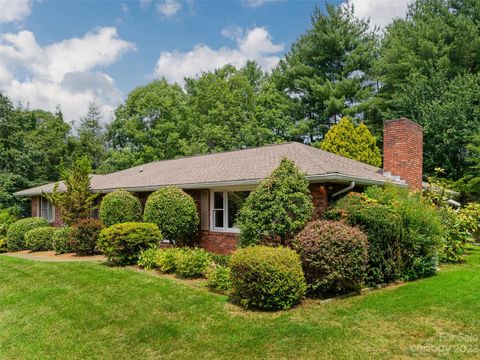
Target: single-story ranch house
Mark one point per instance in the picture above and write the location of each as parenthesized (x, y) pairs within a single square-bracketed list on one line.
[(220, 182)]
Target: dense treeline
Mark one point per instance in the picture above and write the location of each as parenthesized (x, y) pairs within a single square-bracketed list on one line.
[(425, 66)]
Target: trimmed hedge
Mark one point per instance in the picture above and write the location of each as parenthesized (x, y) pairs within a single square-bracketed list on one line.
[(40, 239), (334, 257), (192, 263), (61, 241), (16, 231), (120, 206), (277, 209), (384, 229), (175, 213), (83, 236), (122, 243), (267, 278)]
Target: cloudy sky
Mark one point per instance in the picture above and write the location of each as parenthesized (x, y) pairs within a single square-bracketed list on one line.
[(70, 53)]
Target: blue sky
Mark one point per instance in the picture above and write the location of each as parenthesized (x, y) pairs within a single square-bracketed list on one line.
[(73, 52)]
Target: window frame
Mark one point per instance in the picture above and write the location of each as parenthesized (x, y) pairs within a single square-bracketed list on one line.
[(49, 205), (225, 192)]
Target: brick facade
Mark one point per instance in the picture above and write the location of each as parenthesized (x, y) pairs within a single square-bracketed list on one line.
[(403, 151), (319, 198), (35, 206)]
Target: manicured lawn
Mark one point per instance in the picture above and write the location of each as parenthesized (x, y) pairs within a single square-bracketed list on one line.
[(89, 310)]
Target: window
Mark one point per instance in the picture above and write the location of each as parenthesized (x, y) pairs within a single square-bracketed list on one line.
[(47, 210), (225, 207)]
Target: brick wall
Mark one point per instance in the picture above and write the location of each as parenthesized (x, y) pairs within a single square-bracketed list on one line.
[(218, 242), (319, 198), (35, 206), (403, 151)]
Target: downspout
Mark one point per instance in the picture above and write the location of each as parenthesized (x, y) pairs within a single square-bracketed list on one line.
[(348, 188)]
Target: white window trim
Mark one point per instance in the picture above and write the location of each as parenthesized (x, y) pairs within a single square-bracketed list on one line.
[(224, 229)]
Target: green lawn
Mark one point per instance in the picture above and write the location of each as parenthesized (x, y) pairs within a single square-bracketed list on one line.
[(89, 310)]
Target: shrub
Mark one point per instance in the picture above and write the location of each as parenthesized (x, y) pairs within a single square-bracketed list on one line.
[(334, 257), (222, 260), (40, 239), (423, 228), (122, 243), (61, 241), (148, 258), (267, 278), (3, 245), (456, 237), (119, 207), (192, 263), (7, 217), (384, 229), (175, 213), (167, 259), (83, 236), (218, 278), (16, 231), (277, 209)]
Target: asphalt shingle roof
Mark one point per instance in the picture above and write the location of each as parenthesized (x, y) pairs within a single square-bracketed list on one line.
[(246, 166)]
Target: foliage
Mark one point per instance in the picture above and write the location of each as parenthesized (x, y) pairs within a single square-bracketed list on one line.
[(353, 142), (384, 229), (334, 257), (40, 239), (456, 237), (84, 234), (77, 201), (222, 260), (122, 243), (423, 228), (7, 217), (192, 263), (148, 258), (3, 244), (175, 213), (277, 209), (433, 78), (61, 241), (218, 278), (328, 68), (16, 232), (167, 259), (267, 278), (120, 206)]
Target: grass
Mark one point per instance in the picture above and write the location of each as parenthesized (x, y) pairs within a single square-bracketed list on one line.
[(88, 310)]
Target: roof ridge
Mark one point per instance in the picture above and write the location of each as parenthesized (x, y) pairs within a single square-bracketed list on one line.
[(307, 154)]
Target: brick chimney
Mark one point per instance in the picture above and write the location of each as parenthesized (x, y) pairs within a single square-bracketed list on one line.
[(403, 151)]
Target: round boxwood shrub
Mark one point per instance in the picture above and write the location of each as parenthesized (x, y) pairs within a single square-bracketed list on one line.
[(175, 213), (334, 257), (83, 236), (192, 263), (267, 278), (40, 239), (16, 231), (61, 241), (119, 207), (277, 209), (384, 229), (122, 243)]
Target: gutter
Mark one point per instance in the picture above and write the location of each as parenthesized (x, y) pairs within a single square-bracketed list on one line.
[(244, 182), (344, 190)]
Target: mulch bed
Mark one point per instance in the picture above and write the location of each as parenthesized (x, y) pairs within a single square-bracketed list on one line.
[(51, 256)]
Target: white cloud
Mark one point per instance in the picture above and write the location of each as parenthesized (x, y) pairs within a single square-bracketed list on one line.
[(169, 7), (144, 4), (14, 10), (380, 12), (257, 3), (63, 73), (256, 45)]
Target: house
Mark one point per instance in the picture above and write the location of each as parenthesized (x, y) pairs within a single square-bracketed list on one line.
[(220, 182)]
